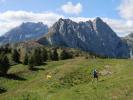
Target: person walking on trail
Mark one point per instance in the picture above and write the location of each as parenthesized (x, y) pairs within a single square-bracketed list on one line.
[(95, 74)]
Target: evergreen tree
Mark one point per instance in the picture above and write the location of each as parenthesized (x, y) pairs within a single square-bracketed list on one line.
[(1, 49), (31, 62), (7, 48), (65, 55), (37, 57), (25, 62), (4, 64), (15, 56), (44, 55), (55, 55), (49, 55)]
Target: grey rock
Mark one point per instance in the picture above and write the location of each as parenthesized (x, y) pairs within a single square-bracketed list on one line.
[(25, 32), (129, 40), (93, 36)]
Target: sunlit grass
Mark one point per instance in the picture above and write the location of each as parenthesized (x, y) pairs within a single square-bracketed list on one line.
[(71, 80)]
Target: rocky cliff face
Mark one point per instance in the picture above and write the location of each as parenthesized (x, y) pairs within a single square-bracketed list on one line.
[(93, 36), (24, 32), (129, 40)]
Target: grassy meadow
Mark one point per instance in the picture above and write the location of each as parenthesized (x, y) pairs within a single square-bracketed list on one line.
[(70, 80)]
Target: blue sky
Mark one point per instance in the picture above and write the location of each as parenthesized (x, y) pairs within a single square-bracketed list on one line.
[(91, 8), (117, 13)]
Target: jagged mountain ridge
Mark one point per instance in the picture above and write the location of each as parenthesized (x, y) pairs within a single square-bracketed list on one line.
[(25, 32), (93, 36), (129, 40)]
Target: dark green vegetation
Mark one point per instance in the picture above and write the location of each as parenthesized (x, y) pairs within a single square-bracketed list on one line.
[(32, 57), (15, 56), (4, 60), (69, 79), (4, 64), (26, 59)]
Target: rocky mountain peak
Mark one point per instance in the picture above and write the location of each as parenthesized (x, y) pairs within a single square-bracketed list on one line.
[(97, 23), (93, 36), (98, 20), (25, 31), (31, 25), (130, 35), (61, 20)]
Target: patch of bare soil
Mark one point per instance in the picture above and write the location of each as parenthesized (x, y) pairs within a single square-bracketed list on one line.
[(106, 71)]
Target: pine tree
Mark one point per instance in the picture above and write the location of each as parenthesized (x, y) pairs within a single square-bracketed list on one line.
[(4, 64), (49, 55), (25, 62), (31, 63), (15, 56), (37, 57), (65, 55), (44, 55), (55, 55)]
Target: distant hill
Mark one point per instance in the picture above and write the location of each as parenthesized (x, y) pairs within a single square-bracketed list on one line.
[(93, 36), (25, 32)]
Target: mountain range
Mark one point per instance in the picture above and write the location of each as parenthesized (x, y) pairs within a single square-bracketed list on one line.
[(93, 36), (25, 32)]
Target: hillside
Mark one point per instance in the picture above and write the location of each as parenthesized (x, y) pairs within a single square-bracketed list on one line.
[(70, 80)]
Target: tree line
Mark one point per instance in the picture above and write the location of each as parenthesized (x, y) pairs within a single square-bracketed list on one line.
[(35, 57)]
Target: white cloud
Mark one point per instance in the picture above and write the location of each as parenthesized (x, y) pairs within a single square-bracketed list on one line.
[(10, 19), (4, 27), (126, 12), (23, 16), (70, 8), (126, 9)]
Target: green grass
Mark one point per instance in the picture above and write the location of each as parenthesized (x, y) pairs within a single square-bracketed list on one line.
[(71, 80)]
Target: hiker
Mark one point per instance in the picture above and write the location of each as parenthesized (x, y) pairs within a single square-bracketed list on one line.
[(95, 74)]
